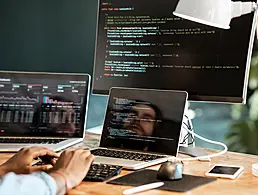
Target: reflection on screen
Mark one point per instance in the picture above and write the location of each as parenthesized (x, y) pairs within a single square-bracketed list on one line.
[(141, 124), (135, 117), (41, 104)]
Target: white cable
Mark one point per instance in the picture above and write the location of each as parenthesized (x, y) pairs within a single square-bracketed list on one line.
[(206, 156)]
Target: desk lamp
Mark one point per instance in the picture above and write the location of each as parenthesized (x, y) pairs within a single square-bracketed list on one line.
[(216, 13)]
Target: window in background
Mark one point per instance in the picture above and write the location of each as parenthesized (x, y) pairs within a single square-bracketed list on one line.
[(212, 121), (96, 111)]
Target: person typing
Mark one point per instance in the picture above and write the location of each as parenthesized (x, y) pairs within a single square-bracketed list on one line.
[(19, 177)]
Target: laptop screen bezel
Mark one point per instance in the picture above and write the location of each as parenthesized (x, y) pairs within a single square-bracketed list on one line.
[(84, 107), (138, 90)]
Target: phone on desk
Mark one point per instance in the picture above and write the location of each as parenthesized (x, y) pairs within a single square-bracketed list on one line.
[(225, 171)]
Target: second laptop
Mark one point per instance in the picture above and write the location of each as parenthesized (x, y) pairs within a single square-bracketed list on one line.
[(142, 127)]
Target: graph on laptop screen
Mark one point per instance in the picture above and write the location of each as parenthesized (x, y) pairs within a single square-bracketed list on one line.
[(141, 44), (37, 104)]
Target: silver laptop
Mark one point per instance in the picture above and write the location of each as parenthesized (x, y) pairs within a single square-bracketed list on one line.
[(43, 109), (142, 127)]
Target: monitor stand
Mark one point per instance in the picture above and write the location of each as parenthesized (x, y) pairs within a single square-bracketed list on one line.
[(186, 148)]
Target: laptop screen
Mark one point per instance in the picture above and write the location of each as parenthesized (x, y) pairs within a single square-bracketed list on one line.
[(43, 104), (144, 120)]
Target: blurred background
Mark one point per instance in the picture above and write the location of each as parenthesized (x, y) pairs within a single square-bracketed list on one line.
[(236, 125), (59, 36)]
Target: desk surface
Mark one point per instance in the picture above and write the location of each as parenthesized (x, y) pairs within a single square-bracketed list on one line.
[(246, 183)]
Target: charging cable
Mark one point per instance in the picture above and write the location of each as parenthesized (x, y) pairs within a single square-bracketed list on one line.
[(204, 139)]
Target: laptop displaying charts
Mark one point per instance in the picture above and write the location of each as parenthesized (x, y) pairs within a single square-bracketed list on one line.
[(142, 127), (43, 109)]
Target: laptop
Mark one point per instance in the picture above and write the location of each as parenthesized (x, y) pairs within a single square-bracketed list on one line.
[(42, 109), (142, 127)]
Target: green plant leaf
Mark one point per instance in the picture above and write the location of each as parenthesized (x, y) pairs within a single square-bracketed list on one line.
[(253, 102), (237, 110), (243, 137), (253, 74)]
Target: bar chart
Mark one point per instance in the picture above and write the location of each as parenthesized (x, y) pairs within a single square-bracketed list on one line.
[(48, 100), (60, 117), (16, 116)]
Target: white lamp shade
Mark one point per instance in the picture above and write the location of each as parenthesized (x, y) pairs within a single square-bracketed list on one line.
[(215, 13)]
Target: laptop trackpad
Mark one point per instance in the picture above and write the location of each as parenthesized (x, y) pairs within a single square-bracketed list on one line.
[(115, 161)]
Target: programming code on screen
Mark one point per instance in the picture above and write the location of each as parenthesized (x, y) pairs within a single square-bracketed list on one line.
[(141, 44), (133, 119), (143, 119), (138, 124)]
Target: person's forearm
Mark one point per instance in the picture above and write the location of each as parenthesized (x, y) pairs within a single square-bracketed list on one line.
[(37, 183), (60, 183)]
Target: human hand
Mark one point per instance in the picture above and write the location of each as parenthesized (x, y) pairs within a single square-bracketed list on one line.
[(21, 162), (74, 165)]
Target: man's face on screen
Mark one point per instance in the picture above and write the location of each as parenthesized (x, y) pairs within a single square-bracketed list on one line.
[(141, 120)]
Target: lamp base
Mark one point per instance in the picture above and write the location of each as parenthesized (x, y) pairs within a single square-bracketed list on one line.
[(194, 152), (191, 150)]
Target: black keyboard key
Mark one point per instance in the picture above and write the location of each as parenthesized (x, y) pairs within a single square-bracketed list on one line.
[(102, 172)]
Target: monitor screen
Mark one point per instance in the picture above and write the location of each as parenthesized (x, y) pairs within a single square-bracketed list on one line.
[(144, 120), (40, 104), (141, 44)]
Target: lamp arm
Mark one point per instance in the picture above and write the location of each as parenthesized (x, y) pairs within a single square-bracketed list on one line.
[(240, 8)]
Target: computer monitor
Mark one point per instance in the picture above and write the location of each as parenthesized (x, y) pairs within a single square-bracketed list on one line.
[(140, 44)]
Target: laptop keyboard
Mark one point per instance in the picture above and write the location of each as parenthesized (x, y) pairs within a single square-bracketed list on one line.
[(29, 141), (126, 155), (102, 172), (97, 172)]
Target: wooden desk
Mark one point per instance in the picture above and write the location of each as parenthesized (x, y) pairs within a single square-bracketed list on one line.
[(245, 184)]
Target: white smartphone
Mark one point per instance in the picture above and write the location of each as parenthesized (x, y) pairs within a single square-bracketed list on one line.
[(225, 171)]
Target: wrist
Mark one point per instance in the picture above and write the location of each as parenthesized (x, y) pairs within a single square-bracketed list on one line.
[(62, 183), (3, 170)]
